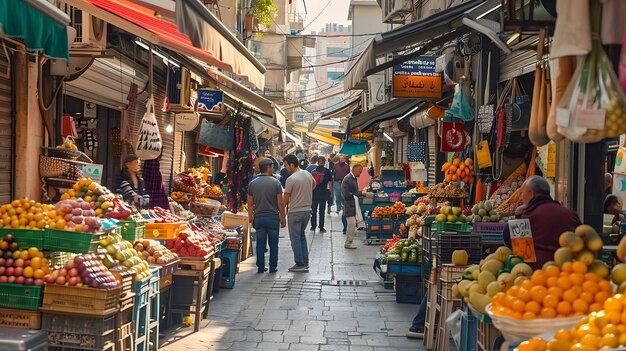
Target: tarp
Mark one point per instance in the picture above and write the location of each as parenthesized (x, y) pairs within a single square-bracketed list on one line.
[(354, 147)]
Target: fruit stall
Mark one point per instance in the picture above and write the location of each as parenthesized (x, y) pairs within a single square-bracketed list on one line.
[(92, 273)]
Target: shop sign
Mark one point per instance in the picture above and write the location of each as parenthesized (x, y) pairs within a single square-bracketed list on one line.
[(522, 243), (186, 122), (93, 171), (210, 101), (417, 79)]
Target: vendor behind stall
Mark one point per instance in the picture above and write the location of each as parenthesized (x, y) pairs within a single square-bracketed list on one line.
[(613, 206), (548, 219), (130, 185)]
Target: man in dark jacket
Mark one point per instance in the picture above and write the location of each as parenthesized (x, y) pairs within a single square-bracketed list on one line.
[(350, 189), (548, 219), (323, 179)]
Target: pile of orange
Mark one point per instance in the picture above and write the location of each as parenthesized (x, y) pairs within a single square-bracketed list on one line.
[(388, 211), (605, 329), (459, 171), (554, 292), (28, 214)]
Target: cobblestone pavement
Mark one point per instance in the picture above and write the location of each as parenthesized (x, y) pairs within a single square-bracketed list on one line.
[(339, 305)]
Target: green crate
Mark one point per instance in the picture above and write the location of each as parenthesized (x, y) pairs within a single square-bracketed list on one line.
[(448, 226), (19, 296), (70, 241), (133, 230), (25, 237)]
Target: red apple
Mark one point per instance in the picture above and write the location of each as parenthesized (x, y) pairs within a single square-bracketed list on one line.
[(60, 280), (10, 271), (2, 270), (18, 263), (8, 262), (63, 272), (11, 279), (18, 271), (73, 281), (3, 278), (73, 272), (29, 281), (20, 280), (70, 264)]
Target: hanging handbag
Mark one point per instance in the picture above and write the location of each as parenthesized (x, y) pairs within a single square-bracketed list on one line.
[(483, 154), (417, 151), (217, 135), (538, 133), (149, 142), (486, 113), (50, 168), (521, 107), (254, 141)]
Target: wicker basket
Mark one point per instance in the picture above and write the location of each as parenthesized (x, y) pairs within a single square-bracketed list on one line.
[(49, 167), (63, 153)]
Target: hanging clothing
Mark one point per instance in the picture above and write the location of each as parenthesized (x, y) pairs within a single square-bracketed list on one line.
[(154, 183)]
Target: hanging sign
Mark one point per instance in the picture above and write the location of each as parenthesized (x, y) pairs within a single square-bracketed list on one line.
[(186, 122), (522, 243), (417, 79), (210, 101), (93, 171)]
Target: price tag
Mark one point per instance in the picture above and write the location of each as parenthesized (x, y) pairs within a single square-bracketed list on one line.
[(593, 119), (522, 239), (562, 117)]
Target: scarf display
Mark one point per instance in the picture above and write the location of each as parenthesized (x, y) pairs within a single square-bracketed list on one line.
[(154, 183), (241, 165)]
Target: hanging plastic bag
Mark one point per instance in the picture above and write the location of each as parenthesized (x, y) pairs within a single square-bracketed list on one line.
[(564, 70), (572, 32), (149, 142), (461, 107), (594, 105)]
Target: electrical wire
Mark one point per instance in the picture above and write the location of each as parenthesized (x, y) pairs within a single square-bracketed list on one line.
[(318, 15)]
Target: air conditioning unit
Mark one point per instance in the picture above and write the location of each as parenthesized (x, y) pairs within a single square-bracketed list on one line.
[(179, 90), (91, 32), (394, 11)]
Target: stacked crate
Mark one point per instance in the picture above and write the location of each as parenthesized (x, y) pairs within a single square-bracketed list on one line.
[(446, 302)]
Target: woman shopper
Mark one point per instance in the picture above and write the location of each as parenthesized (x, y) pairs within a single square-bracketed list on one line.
[(130, 185), (298, 197)]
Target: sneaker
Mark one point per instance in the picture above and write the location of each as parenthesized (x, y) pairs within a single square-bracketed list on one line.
[(328, 210), (344, 232), (274, 270), (350, 246), (265, 269), (312, 229), (414, 333), (322, 230), (297, 268)]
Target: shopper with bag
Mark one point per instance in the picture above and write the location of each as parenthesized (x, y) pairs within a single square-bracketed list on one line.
[(350, 189), (298, 199), (321, 194)]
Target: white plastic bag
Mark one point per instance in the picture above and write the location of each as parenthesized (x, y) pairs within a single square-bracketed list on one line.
[(149, 142), (454, 325), (572, 31), (360, 222)]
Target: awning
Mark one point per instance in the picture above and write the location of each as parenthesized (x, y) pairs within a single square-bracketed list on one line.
[(141, 22), (354, 147), (39, 24), (343, 111), (322, 134), (447, 24), (393, 109), (207, 32)]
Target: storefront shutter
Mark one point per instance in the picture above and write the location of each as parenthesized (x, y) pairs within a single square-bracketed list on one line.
[(6, 131), (432, 150), (519, 62), (190, 149)]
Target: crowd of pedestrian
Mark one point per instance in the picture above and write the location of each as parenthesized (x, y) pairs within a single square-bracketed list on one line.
[(298, 192)]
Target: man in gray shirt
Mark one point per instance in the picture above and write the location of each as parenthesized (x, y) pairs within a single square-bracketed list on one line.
[(298, 199), (266, 212)]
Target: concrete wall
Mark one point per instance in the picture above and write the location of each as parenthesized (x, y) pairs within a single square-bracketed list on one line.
[(366, 19)]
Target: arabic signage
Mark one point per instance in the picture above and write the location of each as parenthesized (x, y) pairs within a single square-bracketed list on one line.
[(187, 121), (417, 79), (210, 101)]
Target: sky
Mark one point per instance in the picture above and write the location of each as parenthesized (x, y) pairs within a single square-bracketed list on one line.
[(336, 12)]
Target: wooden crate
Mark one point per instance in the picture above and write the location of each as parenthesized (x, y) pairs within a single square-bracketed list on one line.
[(20, 319), (450, 272), (81, 300)]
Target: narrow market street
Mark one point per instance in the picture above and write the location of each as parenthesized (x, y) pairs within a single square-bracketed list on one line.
[(339, 305)]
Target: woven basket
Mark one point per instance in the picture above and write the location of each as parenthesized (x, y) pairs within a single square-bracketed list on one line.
[(49, 167), (63, 153)]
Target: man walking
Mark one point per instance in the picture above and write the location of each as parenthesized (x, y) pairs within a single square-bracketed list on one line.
[(298, 199), (321, 193), (313, 164), (350, 189), (266, 212), (340, 171)]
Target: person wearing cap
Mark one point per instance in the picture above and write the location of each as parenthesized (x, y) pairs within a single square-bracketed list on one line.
[(130, 185), (266, 212)]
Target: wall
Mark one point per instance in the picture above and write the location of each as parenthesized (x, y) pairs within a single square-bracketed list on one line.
[(28, 139), (366, 19), (228, 13)]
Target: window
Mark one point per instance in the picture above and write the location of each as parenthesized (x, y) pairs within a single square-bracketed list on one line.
[(333, 51), (331, 76)]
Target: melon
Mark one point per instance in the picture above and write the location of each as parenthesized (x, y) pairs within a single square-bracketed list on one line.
[(460, 258)]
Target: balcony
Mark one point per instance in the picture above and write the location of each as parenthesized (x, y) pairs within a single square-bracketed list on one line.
[(296, 23)]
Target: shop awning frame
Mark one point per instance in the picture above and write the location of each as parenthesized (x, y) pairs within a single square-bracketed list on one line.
[(148, 27), (432, 31), (392, 109), (343, 111), (207, 32)]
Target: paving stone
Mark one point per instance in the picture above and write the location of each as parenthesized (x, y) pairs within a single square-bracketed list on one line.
[(273, 336), (272, 346), (312, 340)]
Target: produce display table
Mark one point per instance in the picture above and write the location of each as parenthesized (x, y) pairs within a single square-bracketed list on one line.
[(189, 292)]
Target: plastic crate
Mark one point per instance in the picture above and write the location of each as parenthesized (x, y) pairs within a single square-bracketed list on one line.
[(154, 281), (66, 323), (408, 288), (71, 241), (377, 225), (447, 243), (450, 272), (404, 268), (19, 296), (25, 238), (126, 277), (487, 335), (444, 289), (448, 226), (163, 231), (80, 299), (490, 232), (20, 319), (142, 292), (469, 329), (133, 230)]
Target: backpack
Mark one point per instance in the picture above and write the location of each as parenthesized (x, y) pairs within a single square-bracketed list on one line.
[(319, 177)]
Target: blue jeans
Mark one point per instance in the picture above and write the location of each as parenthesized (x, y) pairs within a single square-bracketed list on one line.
[(344, 222), (267, 227), (318, 207), (420, 319), (297, 222), (337, 193)]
